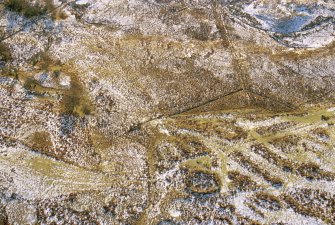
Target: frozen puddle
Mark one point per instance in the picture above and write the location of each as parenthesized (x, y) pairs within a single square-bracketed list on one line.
[(287, 18), (285, 25), (297, 25)]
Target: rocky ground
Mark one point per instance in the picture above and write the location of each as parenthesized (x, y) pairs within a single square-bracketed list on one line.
[(167, 112)]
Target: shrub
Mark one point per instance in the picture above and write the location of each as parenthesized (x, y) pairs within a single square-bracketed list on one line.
[(30, 84), (56, 13), (5, 53), (59, 15), (75, 100), (41, 7), (9, 71), (27, 9), (44, 61), (40, 141), (201, 33)]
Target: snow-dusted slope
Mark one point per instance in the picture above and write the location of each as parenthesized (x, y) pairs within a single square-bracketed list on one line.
[(168, 112)]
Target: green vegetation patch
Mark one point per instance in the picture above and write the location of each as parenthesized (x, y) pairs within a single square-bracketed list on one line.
[(202, 33), (75, 100), (29, 10), (199, 164), (41, 141), (24, 8), (5, 53), (9, 72), (44, 61)]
